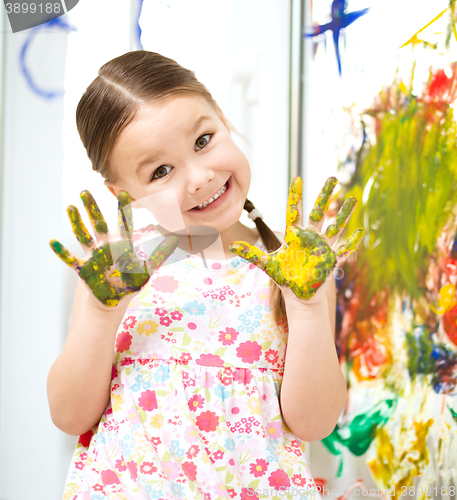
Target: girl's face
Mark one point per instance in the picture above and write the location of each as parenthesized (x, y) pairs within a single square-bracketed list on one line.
[(183, 143)]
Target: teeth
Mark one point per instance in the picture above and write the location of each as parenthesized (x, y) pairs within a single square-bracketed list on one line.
[(215, 197)]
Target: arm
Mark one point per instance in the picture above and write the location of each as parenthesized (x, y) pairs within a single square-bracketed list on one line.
[(79, 380), (313, 390), (330, 293)]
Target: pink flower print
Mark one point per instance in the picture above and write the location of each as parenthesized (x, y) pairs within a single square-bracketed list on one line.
[(114, 373), (259, 468), (248, 494), (190, 470), (129, 322), (156, 441), (206, 380), (207, 421), (160, 311), (133, 470), (228, 337), (273, 429), (218, 455), (249, 351), (109, 477), (298, 480), (98, 487), (271, 355), (120, 465), (147, 468), (278, 478), (232, 492), (195, 402), (165, 321), (186, 357), (123, 341), (226, 381), (237, 407), (133, 416), (242, 376), (210, 455), (171, 470), (262, 296), (210, 360), (148, 401), (79, 465), (193, 451), (176, 315), (165, 284), (191, 434), (83, 456)]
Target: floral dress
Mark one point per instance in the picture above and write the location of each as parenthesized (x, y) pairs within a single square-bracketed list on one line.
[(194, 411)]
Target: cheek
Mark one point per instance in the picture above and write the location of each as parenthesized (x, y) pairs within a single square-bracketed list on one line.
[(165, 206)]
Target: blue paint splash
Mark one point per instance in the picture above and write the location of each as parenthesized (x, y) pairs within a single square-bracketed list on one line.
[(340, 20), (60, 23)]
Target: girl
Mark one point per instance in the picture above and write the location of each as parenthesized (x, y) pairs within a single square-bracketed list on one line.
[(200, 400)]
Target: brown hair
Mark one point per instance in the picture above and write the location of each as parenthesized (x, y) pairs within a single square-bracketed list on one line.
[(111, 102)]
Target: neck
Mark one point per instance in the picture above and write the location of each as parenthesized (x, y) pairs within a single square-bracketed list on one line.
[(197, 239)]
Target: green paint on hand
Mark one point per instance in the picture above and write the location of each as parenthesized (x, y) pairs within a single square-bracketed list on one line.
[(111, 281), (96, 217), (79, 229), (323, 200)]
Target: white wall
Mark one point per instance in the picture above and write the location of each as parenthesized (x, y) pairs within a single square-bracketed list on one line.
[(34, 286)]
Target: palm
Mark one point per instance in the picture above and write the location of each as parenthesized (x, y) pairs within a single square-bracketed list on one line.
[(111, 269), (306, 258)]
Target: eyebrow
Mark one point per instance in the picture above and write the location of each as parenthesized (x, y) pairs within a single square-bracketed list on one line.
[(154, 158)]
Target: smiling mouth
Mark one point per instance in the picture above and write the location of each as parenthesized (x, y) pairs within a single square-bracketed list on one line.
[(213, 198)]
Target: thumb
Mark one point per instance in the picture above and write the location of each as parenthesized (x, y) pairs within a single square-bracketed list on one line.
[(249, 252)]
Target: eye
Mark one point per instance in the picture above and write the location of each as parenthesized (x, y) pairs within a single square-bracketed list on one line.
[(161, 172), (202, 141)]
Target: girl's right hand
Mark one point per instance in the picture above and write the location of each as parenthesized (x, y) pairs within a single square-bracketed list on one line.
[(111, 269)]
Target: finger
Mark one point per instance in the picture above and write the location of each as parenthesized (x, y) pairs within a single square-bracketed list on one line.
[(65, 255), (249, 252), (294, 201), (79, 229), (323, 200), (342, 217), (344, 250), (161, 253), (96, 218), (125, 219)]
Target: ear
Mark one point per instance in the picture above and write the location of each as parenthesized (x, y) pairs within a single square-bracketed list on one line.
[(115, 190), (223, 119)]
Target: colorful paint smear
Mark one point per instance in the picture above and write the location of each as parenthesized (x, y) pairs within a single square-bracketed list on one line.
[(305, 259)]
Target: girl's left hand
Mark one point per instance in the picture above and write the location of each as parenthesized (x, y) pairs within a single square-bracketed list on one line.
[(307, 257)]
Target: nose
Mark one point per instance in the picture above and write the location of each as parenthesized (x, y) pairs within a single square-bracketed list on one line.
[(198, 176)]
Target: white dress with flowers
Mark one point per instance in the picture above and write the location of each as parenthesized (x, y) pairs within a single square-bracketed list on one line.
[(194, 411)]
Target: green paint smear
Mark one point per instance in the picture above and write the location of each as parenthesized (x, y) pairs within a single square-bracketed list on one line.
[(453, 413), (94, 213), (358, 435), (79, 229), (408, 181), (345, 211), (321, 204), (63, 253)]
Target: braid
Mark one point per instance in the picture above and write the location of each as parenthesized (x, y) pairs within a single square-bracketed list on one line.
[(271, 243)]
